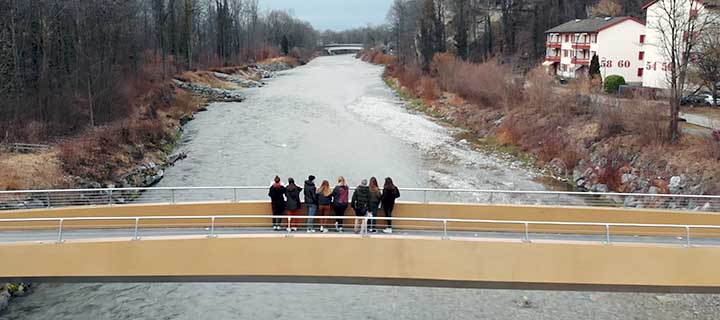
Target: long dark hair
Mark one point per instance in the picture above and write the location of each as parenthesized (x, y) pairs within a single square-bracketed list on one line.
[(389, 184), (374, 185), (291, 184)]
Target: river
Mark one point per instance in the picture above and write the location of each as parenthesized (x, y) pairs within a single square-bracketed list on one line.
[(332, 117)]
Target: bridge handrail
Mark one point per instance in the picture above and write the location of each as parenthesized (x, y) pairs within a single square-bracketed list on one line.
[(525, 224), (489, 221), (496, 191)]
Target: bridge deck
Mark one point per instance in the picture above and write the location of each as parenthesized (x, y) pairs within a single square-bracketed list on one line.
[(402, 259)]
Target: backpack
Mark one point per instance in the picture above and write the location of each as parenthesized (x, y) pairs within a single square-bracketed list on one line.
[(343, 195)]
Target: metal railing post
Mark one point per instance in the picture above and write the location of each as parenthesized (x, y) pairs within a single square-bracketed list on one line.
[(607, 234), (172, 196), (425, 196), (212, 228), (60, 232), (445, 233), (687, 237), (136, 235), (47, 198), (289, 228), (527, 233), (235, 199), (110, 200), (492, 194), (364, 227)]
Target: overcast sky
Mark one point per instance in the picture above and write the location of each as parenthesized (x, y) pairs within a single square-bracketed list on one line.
[(334, 14)]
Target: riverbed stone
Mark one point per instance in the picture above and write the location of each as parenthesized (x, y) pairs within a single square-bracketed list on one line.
[(628, 178), (4, 299), (654, 190), (601, 188), (677, 184)]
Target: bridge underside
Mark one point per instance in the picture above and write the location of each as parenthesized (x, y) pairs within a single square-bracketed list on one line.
[(379, 260)]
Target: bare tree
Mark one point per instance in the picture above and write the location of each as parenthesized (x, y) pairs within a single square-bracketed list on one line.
[(680, 25), (707, 62)]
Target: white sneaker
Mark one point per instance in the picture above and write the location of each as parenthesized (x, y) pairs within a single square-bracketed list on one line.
[(325, 230), (387, 230), (294, 229), (289, 229), (340, 229), (322, 229), (310, 230)]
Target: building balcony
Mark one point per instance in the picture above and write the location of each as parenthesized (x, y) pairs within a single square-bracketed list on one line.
[(553, 44), (581, 45), (552, 58), (581, 61)]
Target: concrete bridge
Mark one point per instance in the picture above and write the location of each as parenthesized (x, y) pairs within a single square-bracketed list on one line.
[(212, 234), (334, 49)]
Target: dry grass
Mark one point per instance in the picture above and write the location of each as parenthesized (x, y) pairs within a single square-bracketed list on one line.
[(206, 78), (291, 61), (428, 89), (101, 153), (31, 171), (484, 84)]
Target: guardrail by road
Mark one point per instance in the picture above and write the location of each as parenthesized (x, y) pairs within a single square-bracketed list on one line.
[(25, 147), (35, 199)]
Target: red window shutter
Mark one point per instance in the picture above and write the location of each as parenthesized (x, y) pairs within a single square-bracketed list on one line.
[(641, 56), (640, 72), (642, 38)]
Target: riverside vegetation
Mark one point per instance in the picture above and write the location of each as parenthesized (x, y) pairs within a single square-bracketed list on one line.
[(132, 152), (593, 141)]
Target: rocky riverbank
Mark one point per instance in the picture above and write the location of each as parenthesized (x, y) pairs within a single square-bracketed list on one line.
[(12, 290)]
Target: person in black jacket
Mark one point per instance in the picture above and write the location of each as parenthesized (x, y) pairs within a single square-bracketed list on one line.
[(292, 193), (311, 201), (361, 203), (277, 198), (389, 194)]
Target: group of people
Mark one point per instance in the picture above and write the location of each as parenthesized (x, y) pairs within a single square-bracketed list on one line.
[(325, 201)]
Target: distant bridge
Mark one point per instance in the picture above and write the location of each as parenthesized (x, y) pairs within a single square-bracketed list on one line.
[(333, 49), (545, 240)]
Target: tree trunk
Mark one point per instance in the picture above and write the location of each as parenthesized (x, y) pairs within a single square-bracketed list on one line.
[(90, 103), (189, 11), (43, 75)]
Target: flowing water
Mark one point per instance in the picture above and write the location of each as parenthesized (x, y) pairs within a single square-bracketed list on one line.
[(335, 117)]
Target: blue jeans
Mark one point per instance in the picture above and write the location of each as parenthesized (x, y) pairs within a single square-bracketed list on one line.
[(312, 209)]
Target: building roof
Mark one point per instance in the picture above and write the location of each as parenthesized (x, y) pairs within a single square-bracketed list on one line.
[(589, 25)]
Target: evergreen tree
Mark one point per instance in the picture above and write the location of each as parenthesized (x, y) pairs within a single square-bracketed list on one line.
[(594, 66)]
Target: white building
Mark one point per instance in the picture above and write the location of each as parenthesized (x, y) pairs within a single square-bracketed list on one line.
[(617, 42), (656, 62)]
